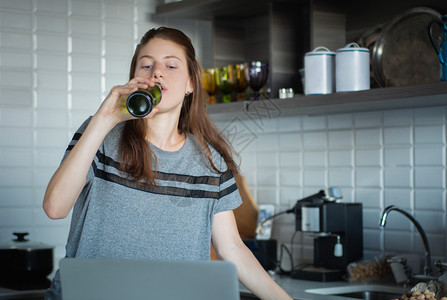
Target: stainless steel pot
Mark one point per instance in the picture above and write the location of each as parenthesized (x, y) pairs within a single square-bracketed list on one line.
[(23, 259)]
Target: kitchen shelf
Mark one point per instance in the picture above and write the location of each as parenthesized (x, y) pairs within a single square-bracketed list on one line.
[(210, 9), (424, 95)]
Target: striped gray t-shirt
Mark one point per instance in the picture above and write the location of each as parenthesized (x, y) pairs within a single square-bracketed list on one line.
[(116, 218)]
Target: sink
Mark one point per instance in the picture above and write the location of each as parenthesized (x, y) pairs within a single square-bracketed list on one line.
[(370, 295), (366, 291)]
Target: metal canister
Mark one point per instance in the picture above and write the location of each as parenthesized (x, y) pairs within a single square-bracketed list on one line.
[(352, 68), (319, 70)]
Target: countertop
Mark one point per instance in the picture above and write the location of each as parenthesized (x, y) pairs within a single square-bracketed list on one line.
[(297, 288), (23, 295), (294, 287)]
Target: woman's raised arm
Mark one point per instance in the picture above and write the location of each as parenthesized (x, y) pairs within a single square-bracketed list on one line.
[(70, 178)]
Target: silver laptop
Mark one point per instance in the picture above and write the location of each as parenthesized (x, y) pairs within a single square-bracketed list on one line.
[(110, 279)]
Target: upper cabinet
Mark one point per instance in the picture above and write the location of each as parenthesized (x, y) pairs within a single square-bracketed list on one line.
[(276, 32), (282, 31), (211, 9)]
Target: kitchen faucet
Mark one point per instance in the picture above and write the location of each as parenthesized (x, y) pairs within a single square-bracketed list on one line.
[(382, 222)]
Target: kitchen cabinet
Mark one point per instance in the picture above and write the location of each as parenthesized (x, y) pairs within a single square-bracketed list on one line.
[(282, 31), (247, 30)]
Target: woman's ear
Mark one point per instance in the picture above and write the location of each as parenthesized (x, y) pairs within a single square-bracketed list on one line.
[(189, 87)]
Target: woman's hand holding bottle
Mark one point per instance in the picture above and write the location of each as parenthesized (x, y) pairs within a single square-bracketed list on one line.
[(114, 105)]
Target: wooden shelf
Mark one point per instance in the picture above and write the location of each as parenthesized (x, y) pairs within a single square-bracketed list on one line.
[(424, 95)]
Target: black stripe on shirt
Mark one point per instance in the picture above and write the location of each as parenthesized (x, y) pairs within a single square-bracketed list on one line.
[(76, 138), (162, 190), (226, 176), (228, 190), (210, 180)]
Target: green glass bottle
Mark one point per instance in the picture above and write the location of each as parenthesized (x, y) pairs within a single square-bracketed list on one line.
[(140, 103)]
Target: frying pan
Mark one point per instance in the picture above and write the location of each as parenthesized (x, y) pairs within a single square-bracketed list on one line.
[(401, 53)]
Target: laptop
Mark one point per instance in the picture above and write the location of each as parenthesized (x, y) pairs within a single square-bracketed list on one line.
[(123, 279)]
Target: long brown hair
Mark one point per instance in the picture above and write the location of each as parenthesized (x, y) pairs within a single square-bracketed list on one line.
[(136, 155)]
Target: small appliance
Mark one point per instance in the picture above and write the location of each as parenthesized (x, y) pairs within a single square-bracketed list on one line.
[(338, 236)]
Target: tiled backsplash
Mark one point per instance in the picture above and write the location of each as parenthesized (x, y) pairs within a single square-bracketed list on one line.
[(59, 58), (376, 158)]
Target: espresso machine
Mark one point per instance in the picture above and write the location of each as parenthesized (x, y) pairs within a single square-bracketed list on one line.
[(338, 236)]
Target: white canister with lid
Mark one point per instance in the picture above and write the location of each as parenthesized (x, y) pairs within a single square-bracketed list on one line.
[(352, 68), (319, 71)]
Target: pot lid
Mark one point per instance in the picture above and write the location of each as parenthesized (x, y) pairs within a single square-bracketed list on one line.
[(21, 243)]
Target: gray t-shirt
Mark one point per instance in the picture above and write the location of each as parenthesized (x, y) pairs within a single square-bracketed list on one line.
[(114, 217)]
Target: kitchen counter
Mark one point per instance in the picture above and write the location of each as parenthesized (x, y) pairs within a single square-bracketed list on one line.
[(294, 287), (23, 295), (297, 288)]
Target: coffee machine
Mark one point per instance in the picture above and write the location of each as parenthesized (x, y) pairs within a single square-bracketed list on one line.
[(338, 236)]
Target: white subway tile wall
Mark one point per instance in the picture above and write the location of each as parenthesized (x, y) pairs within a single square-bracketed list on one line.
[(378, 158), (59, 59)]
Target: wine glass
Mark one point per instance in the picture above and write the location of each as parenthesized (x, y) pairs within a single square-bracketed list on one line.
[(257, 73), (209, 83), (224, 83), (239, 79)]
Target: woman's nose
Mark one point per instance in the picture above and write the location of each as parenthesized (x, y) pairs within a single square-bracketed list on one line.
[(158, 71)]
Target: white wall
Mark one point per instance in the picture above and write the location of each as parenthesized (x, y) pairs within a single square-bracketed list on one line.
[(59, 58), (376, 158)]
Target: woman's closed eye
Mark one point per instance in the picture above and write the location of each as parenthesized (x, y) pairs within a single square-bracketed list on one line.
[(148, 67)]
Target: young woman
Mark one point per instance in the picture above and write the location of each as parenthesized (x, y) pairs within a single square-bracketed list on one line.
[(158, 187)]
